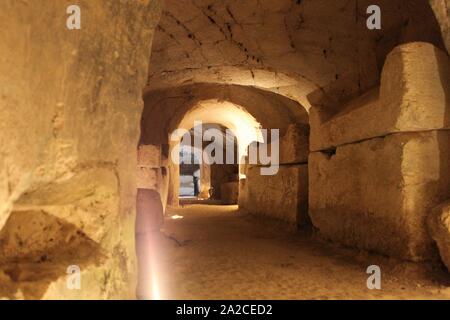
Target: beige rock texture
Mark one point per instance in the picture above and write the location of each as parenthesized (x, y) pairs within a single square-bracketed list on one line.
[(283, 196), (254, 53), (383, 162), (231, 106), (149, 168), (148, 178), (149, 156), (294, 145), (71, 102), (76, 104), (376, 194), (165, 110), (293, 148), (414, 96), (441, 9), (439, 228), (152, 170), (300, 49)]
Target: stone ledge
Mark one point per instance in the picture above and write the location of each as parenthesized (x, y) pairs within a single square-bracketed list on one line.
[(376, 194), (283, 196), (413, 97)]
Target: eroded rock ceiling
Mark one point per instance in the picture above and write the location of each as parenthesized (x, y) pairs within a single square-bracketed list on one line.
[(313, 51)]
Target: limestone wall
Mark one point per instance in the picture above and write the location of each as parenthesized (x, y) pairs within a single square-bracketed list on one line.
[(152, 170), (165, 109), (283, 196), (413, 96), (71, 102), (441, 9), (377, 193), (382, 164), (293, 48), (230, 192)]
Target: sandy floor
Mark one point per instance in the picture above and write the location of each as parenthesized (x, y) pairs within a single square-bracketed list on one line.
[(225, 254)]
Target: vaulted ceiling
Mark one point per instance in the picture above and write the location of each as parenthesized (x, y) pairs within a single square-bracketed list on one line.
[(312, 51)]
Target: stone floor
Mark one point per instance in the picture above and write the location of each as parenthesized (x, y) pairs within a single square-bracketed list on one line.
[(217, 252)]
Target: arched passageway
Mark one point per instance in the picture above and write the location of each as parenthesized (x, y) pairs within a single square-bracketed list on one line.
[(347, 110), (356, 154), (241, 110)]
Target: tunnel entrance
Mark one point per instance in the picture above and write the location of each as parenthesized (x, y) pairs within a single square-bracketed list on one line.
[(189, 173), (209, 165), (372, 173)]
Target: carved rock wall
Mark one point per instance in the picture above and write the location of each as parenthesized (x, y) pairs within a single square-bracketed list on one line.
[(71, 102)]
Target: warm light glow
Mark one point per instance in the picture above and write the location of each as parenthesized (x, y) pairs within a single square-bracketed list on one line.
[(175, 217), (154, 257), (156, 294), (244, 126)]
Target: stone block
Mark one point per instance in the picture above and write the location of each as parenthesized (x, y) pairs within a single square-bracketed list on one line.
[(75, 112), (283, 196), (376, 194), (413, 97), (147, 178), (149, 156), (294, 145), (230, 192)]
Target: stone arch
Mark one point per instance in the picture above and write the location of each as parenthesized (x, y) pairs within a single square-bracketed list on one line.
[(239, 108), (244, 126), (205, 173)]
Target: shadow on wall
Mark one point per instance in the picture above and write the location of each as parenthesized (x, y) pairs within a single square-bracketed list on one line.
[(57, 225), (36, 248)]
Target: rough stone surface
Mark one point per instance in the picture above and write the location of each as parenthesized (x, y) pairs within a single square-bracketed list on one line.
[(238, 108), (221, 174), (71, 102), (376, 194), (294, 48), (148, 178), (283, 196), (49, 245), (293, 148), (149, 156), (414, 96), (294, 145), (230, 192), (165, 109), (439, 228), (441, 9)]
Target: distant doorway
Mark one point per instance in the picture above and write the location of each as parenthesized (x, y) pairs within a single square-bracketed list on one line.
[(189, 174)]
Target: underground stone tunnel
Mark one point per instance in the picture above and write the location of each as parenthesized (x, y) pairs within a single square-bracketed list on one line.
[(101, 198)]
